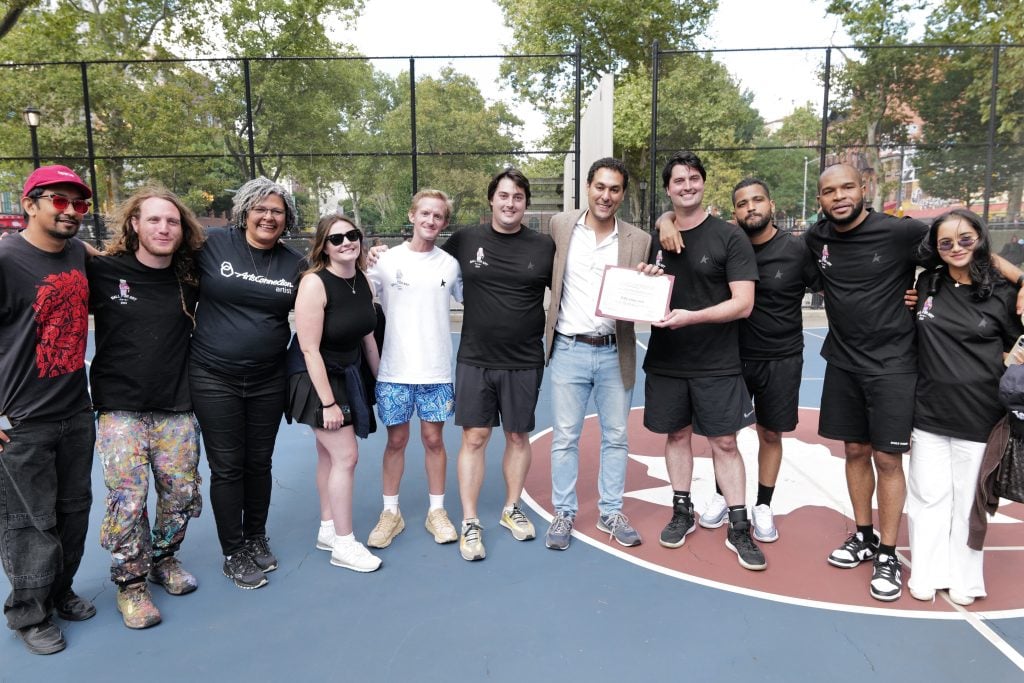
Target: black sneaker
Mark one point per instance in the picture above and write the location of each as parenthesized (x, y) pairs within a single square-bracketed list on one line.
[(72, 607), (242, 569), (738, 540), (854, 551), (887, 578), (682, 523), (259, 548), (43, 638)]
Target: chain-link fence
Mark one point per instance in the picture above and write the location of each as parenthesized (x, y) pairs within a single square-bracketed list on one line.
[(930, 126), (362, 133)]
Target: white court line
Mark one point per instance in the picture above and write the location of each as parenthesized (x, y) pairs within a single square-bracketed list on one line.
[(816, 336)]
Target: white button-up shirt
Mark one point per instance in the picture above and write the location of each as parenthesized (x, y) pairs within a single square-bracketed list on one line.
[(584, 268)]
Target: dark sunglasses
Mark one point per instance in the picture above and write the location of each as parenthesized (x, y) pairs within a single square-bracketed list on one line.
[(964, 241), (338, 238), (61, 203)]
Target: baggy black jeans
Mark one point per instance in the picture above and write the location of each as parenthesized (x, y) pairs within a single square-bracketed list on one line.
[(45, 494)]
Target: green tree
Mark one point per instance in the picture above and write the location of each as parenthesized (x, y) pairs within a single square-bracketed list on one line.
[(452, 118), (991, 22), (716, 115), (783, 169), (869, 109)]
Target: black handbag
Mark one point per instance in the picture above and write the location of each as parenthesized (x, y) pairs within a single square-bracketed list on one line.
[(1009, 477)]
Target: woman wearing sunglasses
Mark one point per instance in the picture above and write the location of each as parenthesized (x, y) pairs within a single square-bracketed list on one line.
[(334, 323), (248, 281), (965, 322)]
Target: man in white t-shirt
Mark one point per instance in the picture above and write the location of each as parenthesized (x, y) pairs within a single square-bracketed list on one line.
[(414, 283)]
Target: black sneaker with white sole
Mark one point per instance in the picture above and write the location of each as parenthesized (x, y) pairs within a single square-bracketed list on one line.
[(887, 578), (682, 523), (853, 551), (242, 569), (259, 549), (738, 540)]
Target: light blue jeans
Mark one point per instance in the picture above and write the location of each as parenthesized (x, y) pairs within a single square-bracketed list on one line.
[(577, 371)]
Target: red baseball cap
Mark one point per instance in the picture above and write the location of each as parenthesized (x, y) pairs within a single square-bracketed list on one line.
[(54, 175)]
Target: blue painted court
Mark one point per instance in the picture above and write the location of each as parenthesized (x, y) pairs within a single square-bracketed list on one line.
[(594, 612)]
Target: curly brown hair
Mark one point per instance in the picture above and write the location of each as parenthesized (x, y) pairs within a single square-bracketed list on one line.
[(126, 240)]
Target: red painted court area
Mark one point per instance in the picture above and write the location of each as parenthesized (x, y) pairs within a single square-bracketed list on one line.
[(812, 513)]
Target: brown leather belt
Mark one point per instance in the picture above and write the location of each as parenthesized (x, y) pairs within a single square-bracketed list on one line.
[(603, 340)]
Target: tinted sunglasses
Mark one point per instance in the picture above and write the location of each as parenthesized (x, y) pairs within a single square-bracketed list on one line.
[(338, 238), (965, 241), (61, 203)]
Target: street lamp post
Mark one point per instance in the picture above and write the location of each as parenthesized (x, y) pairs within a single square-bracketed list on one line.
[(803, 211), (31, 116), (643, 204)]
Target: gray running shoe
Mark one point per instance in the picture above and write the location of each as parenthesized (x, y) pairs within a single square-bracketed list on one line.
[(618, 527), (560, 532)]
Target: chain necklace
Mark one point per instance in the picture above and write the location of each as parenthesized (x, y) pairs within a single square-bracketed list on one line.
[(252, 258), (350, 285)]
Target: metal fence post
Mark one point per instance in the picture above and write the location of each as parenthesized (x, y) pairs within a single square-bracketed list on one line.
[(655, 65), (992, 113), (412, 124), (248, 119), (97, 222), (577, 54), (824, 110)]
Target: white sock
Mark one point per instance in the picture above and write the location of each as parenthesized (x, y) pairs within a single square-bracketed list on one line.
[(391, 504), (347, 538), (327, 524), (436, 502)]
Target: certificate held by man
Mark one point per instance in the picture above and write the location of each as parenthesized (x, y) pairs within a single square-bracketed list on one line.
[(627, 294)]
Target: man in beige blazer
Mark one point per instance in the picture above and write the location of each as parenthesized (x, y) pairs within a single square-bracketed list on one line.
[(588, 354)]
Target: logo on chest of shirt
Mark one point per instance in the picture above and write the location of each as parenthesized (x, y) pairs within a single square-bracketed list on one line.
[(279, 285), (399, 283), (123, 295), (926, 310), (479, 262), (823, 262)]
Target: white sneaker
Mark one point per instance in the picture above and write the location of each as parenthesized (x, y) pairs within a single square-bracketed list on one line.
[(353, 555), (325, 538), (715, 514), (764, 524), (924, 594), (960, 599)]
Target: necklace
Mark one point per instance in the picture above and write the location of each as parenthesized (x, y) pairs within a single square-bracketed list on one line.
[(957, 280), (350, 285), (252, 258)]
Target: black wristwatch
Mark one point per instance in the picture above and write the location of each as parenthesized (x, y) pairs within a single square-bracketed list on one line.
[(1020, 281)]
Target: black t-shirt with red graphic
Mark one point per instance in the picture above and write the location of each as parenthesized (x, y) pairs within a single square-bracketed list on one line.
[(44, 323), (865, 272), (504, 277)]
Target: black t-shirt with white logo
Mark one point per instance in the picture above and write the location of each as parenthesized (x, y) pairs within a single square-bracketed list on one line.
[(716, 254), (865, 272), (775, 326), (44, 325), (142, 335), (503, 277), (245, 296), (960, 343)]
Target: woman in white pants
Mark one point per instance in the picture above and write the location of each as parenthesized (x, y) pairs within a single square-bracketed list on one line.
[(965, 322)]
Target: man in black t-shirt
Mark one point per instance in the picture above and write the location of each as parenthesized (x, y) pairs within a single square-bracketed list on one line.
[(143, 295), (771, 343), (867, 261), (693, 367), (505, 269), (46, 427)]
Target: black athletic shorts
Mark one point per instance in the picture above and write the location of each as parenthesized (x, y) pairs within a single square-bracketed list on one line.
[(775, 386), (875, 409), (715, 406), (486, 397)]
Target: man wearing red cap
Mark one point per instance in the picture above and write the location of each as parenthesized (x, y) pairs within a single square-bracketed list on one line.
[(46, 426)]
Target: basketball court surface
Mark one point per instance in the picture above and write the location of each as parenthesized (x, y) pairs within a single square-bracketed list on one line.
[(596, 612)]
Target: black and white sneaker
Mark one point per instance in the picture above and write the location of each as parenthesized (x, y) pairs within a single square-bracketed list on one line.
[(242, 569), (854, 551), (738, 540), (887, 578), (682, 523), (259, 549)]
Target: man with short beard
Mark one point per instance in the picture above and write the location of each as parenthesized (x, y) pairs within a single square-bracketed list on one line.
[(771, 343), (143, 294), (46, 426), (867, 261)]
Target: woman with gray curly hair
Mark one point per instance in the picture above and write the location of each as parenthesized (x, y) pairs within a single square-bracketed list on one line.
[(248, 282)]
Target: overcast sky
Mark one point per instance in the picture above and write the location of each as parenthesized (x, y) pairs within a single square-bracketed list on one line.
[(780, 81)]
